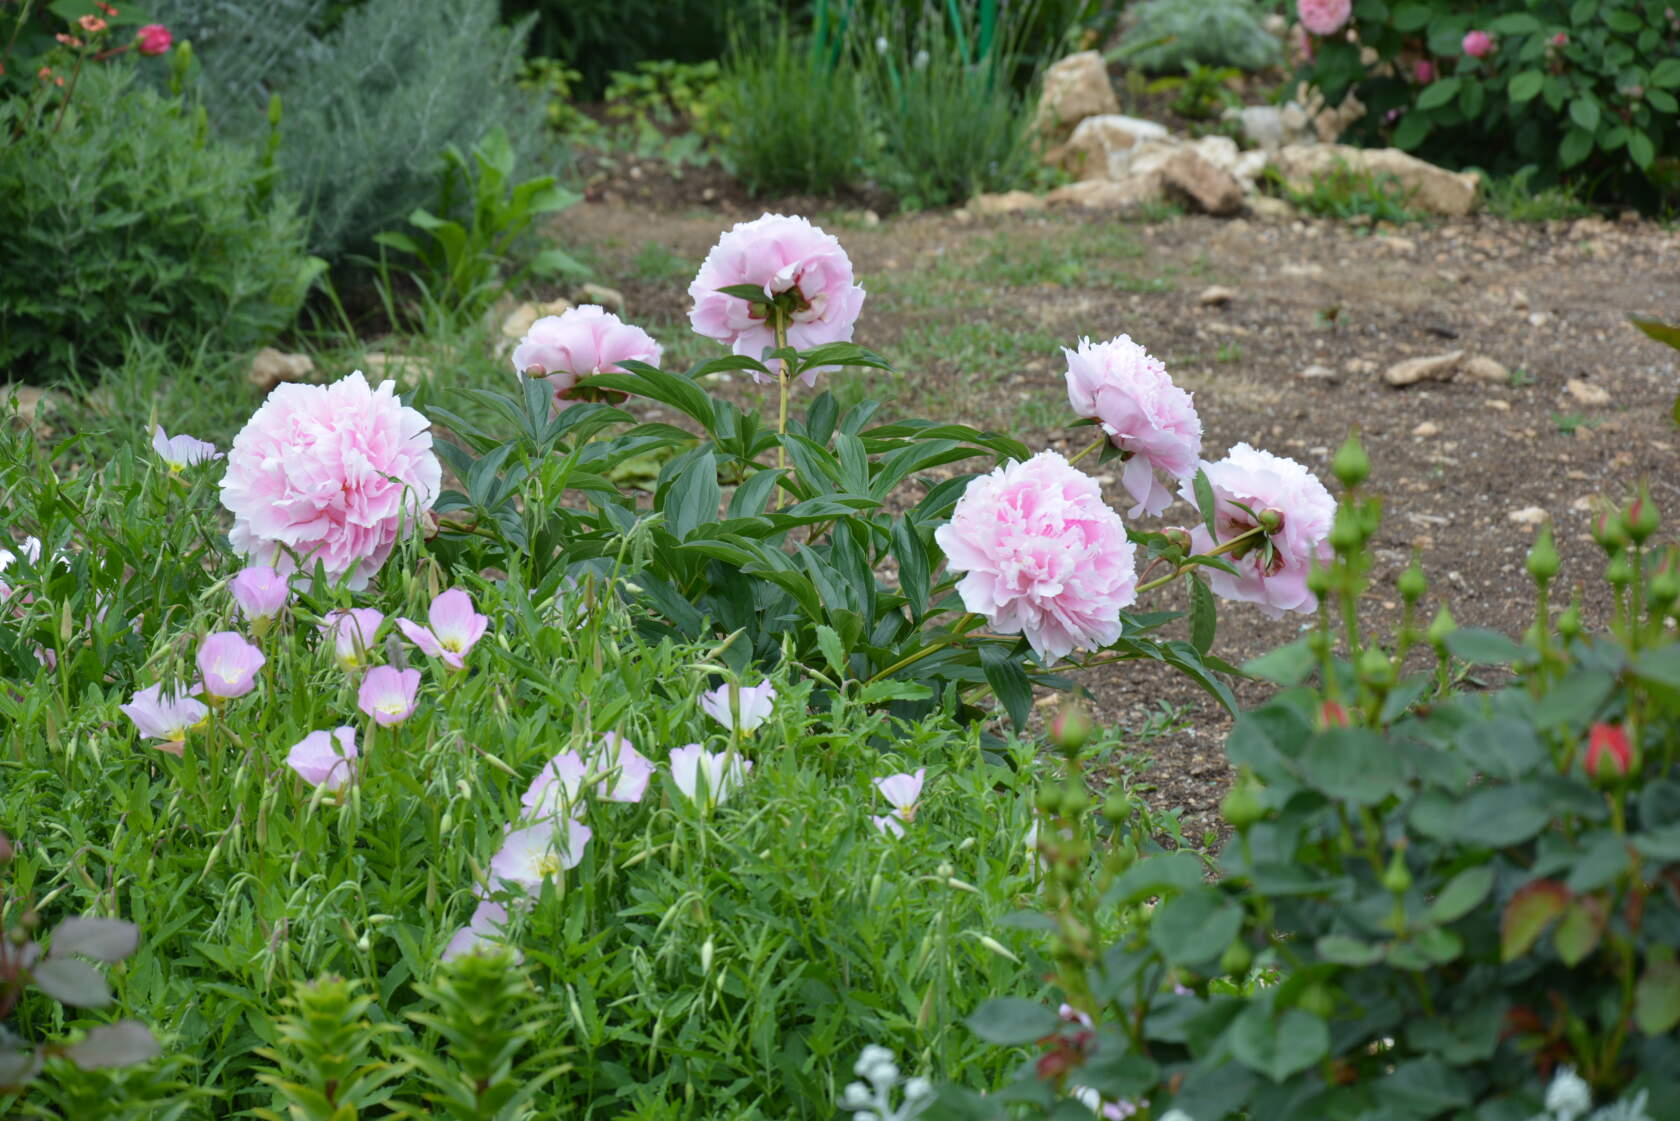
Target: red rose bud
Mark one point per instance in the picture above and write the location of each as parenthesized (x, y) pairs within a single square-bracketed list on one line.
[(1609, 755), (1642, 518), (153, 39), (1331, 714)]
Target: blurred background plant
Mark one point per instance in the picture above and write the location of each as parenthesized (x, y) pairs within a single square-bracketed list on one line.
[(1163, 36)]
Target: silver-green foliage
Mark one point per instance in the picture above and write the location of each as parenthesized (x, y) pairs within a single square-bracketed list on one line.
[(1165, 35), (124, 215), (245, 51)]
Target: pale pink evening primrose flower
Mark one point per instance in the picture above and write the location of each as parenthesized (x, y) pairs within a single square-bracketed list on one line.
[(330, 474), (753, 703), (387, 694), (1127, 391), (904, 792), (30, 550), (577, 343), (888, 824), (1044, 555), (164, 718), (181, 452), (531, 855), (229, 664), (1478, 44), (701, 774), (324, 758), (778, 254), (1324, 17), (455, 628), (558, 787), (1294, 509), (260, 592), (352, 633), (482, 934)]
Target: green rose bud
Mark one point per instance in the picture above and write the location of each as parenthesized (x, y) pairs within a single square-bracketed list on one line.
[(1351, 466), (1412, 583), (1543, 557)]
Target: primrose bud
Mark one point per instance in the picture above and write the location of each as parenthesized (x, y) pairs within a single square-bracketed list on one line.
[(1351, 466), (1412, 583), (1543, 557), (1071, 729)]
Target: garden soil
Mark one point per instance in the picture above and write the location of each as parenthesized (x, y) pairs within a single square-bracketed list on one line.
[(1290, 359)]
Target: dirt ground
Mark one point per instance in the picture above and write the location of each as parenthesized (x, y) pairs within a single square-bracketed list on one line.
[(974, 311)]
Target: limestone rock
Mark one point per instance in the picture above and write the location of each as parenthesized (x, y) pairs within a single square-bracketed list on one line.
[(519, 320), (1528, 515), (1216, 296), (1319, 373), (270, 367), (610, 298), (1585, 392), (1210, 189), (406, 369), (1074, 88), (1432, 188), (1482, 368), (1435, 367), (1101, 194), (1010, 202), (1427, 429), (1269, 209), (1100, 146)]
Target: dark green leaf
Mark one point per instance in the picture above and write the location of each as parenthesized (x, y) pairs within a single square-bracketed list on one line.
[(1195, 928), (1344, 950), (1656, 999), (1421, 1088), (1577, 146), (753, 495), (693, 498), (1204, 614), (1288, 665), (1501, 815), (1164, 874), (752, 293), (1462, 894), (1525, 85), (1602, 858), (1574, 700), (1008, 681), (1352, 764), (1117, 1074), (1205, 502), (913, 565), (1474, 644), (1438, 93), (1278, 1046), (1584, 112), (1011, 1021)]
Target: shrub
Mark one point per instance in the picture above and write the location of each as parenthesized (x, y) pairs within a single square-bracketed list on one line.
[(794, 116), (1436, 896), (1585, 92), (126, 215), (396, 84), (245, 52), (1168, 35)]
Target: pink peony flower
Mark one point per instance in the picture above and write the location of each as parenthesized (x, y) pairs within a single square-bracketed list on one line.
[(707, 776), (332, 474), (1044, 556), (558, 787), (482, 934), (1146, 416), (455, 628), (229, 664), (324, 758), (1478, 44), (782, 255), (180, 452), (153, 39), (260, 592), (1425, 72), (164, 718), (352, 632), (387, 694), (1274, 570), (577, 343), (753, 704), (1324, 17), (531, 855)]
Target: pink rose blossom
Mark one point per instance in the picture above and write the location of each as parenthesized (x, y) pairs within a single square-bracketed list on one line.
[(387, 694), (482, 934), (1425, 72), (352, 633), (1120, 385), (181, 451), (1274, 570), (324, 758), (229, 664), (153, 39), (260, 592), (779, 254), (558, 787), (164, 718), (692, 766), (455, 628), (753, 703), (1561, 39), (330, 473), (531, 855), (1324, 17), (1044, 555), (1478, 44), (577, 343)]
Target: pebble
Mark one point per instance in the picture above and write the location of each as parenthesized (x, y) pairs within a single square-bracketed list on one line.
[(1427, 429), (1502, 406), (1587, 393), (1434, 367), (1519, 301), (1318, 373), (1486, 369), (1539, 319), (1216, 296), (1528, 515)]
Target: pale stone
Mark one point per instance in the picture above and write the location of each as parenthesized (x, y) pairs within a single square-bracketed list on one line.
[(1318, 373), (1396, 244), (1206, 186), (1528, 515), (610, 298), (1100, 146), (270, 367), (1435, 367), (1100, 194), (1269, 209), (1427, 429), (1595, 396), (406, 369), (1429, 187), (1482, 368), (1216, 296), (1010, 202), (1076, 87), (519, 320)]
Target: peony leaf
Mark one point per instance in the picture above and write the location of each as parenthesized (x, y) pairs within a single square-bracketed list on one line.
[(1204, 615), (1205, 504), (1528, 914)]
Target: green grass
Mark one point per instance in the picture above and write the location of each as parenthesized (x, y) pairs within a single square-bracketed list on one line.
[(1511, 197)]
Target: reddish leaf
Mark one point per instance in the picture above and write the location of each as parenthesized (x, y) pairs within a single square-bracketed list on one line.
[(1656, 1000), (1528, 914), (1582, 926)]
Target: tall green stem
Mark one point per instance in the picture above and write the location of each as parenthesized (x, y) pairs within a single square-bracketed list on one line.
[(1225, 547), (778, 322)]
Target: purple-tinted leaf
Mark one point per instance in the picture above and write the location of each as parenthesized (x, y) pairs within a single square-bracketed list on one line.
[(101, 939), (121, 1044), (72, 981)]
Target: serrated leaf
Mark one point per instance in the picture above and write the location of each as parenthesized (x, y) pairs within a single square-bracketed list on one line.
[(828, 641), (1352, 764), (1462, 894), (1530, 911), (1485, 647), (106, 940), (72, 981), (1288, 665), (1195, 928), (1279, 1046), (1580, 929)]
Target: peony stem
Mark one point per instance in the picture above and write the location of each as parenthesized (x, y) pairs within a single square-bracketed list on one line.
[(1101, 440), (778, 321), (969, 619), (1225, 547)]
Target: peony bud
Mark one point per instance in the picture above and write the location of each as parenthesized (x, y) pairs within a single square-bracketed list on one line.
[(1543, 557), (1609, 754), (1271, 520), (1351, 466)]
